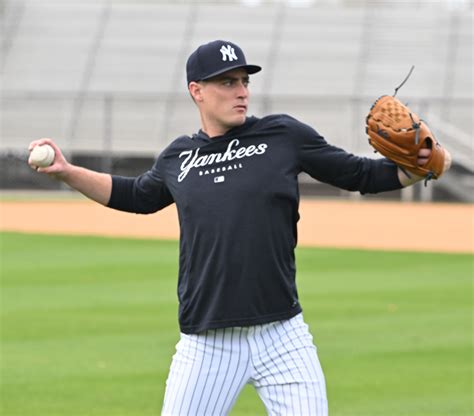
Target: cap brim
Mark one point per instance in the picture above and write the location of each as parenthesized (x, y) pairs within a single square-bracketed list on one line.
[(251, 69)]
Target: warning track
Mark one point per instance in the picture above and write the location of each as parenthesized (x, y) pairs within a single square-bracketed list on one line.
[(435, 227)]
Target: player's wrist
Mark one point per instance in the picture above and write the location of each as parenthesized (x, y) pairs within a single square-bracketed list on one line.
[(68, 173), (407, 178)]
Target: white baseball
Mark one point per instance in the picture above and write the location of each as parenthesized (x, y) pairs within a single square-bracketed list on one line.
[(42, 156)]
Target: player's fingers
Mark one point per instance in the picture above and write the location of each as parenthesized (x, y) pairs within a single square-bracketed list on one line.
[(39, 142), (423, 156), (51, 170), (33, 145), (34, 167), (424, 152)]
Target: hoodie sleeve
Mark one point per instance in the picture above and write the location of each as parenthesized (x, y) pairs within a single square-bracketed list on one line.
[(143, 194), (335, 166)]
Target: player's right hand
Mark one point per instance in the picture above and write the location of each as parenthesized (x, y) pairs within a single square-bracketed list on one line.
[(60, 164)]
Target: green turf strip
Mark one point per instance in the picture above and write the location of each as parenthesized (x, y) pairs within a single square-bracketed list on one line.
[(89, 325)]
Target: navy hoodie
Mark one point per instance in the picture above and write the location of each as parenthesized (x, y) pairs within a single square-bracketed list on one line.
[(237, 199)]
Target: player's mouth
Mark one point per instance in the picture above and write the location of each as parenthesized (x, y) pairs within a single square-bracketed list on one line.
[(241, 107)]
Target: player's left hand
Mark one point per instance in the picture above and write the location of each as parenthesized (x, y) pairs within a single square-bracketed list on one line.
[(400, 135)]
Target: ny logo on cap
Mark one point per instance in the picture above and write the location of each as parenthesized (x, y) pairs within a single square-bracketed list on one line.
[(228, 52)]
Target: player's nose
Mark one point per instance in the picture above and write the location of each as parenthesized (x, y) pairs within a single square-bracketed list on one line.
[(242, 90)]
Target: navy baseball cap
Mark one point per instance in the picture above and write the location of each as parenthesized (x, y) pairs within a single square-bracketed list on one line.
[(215, 58)]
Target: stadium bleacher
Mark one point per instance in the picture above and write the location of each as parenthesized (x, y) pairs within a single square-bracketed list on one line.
[(108, 76)]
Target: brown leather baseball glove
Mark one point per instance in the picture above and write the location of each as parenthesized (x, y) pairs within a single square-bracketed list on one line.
[(398, 134)]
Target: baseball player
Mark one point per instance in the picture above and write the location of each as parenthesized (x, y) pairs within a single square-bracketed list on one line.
[(235, 187)]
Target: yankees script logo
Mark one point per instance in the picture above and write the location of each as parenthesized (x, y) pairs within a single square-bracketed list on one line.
[(228, 52), (194, 160)]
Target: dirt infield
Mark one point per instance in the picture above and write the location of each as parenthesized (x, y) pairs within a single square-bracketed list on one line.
[(323, 223)]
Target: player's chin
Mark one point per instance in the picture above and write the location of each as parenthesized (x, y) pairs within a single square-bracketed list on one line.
[(238, 118)]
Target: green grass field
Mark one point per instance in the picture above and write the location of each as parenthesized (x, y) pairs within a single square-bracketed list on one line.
[(89, 325)]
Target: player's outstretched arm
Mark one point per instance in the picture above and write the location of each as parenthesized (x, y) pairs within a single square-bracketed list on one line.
[(95, 185), (423, 156)]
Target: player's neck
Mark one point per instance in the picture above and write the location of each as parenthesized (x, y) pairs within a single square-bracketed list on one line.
[(213, 129), (216, 128)]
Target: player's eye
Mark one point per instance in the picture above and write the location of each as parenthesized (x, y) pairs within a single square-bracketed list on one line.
[(228, 82)]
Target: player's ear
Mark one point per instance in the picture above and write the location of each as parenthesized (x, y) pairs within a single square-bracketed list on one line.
[(195, 89)]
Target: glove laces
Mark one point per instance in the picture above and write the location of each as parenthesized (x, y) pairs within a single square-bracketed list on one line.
[(405, 80)]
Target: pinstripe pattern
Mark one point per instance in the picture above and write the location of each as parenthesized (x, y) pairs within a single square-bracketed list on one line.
[(279, 359)]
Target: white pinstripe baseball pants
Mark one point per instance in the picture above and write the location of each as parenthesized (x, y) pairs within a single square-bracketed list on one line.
[(279, 359)]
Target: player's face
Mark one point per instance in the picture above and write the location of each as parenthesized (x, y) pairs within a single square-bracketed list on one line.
[(223, 101)]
